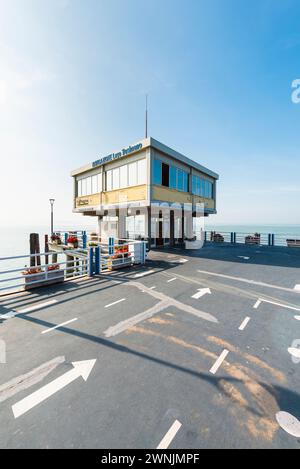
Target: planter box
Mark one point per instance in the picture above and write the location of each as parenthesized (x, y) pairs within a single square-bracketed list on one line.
[(54, 276), (114, 264), (252, 240)]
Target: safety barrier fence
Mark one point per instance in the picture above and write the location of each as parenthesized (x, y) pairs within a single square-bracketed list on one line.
[(260, 239), (66, 264)]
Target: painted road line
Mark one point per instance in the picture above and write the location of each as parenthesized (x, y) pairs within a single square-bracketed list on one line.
[(170, 435), (172, 279), (245, 280), (244, 257), (257, 304), (288, 423), (82, 368), (115, 303), (183, 261), (219, 361), (59, 325), (152, 288), (12, 314), (295, 352), (297, 287), (244, 323), (297, 317), (35, 307), (142, 274), (201, 292), (279, 304)]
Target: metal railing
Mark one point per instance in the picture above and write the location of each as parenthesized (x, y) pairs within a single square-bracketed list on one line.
[(259, 239), (67, 264)]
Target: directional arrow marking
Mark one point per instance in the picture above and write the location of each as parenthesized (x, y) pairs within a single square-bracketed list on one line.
[(82, 368), (201, 292)]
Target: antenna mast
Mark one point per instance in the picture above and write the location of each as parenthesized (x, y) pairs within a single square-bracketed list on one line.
[(146, 127)]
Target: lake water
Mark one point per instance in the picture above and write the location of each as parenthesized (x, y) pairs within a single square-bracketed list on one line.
[(14, 241)]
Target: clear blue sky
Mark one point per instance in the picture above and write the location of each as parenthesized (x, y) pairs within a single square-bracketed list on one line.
[(72, 84)]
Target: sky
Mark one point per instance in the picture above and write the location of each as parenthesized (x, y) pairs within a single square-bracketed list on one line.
[(219, 73)]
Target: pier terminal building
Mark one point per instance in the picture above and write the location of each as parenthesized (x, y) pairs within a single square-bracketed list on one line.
[(144, 191)]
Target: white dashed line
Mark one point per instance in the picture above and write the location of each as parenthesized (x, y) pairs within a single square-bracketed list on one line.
[(288, 423), (297, 287), (152, 288), (244, 323), (257, 304), (114, 303), (297, 317), (182, 261), (142, 274), (12, 314), (59, 325), (172, 279), (35, 307), (169, 436), (262, 300), (245, 280), (219, 362)]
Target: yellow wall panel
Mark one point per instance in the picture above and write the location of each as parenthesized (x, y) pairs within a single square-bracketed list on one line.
[(130, 194), (88, 200), (169, 195)]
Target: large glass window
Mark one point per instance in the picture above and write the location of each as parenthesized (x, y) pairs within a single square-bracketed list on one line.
[(173, 177), (116, 178), (109, 180), (124, 176), (185, 182), (132, 174), (141, 172), (180, 179), (202, 187), (157, 172)]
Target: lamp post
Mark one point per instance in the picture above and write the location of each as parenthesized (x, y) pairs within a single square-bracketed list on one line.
[(51, 205)]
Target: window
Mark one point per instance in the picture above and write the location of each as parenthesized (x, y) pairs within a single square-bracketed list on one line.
[(202, 187), (180, 179), (157, 172), (165, 175), (173, 177), (123, 176), (116, 178), (79, 188), (99, 182), (141, 172), (94, 184), (132, 174), (185, 182), (108, 180)]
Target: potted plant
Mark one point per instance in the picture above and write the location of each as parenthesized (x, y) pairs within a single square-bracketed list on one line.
[(72, 242), (56, 239)]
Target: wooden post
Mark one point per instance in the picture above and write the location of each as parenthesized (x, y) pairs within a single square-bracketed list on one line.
[(34, 249)]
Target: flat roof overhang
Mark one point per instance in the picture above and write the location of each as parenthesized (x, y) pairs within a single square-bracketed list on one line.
[(151, 143)]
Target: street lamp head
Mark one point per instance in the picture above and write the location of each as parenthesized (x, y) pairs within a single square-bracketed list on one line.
[(51, 201)]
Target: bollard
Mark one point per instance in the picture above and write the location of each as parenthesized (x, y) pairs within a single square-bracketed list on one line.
[(91, 262), (66, 238), (84, 239), (232, 238), (97, 260)]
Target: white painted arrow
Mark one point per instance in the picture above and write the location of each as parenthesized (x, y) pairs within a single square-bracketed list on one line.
[(82, 368), (201, 292)]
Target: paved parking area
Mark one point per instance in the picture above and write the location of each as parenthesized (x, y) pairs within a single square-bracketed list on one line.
[(193, 350)]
